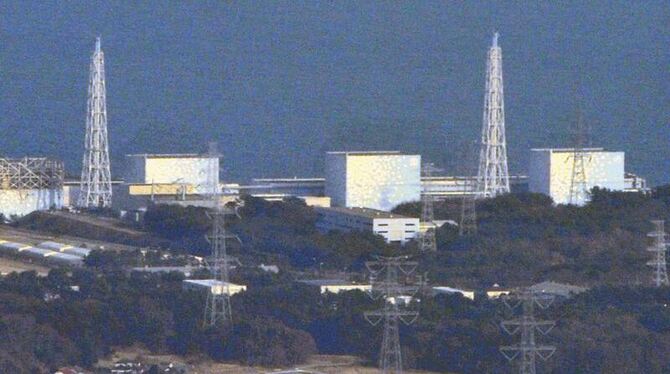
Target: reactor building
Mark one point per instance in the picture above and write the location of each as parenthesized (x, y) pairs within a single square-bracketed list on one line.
[(166, 179), (375, 180), (551, 172), (30, 184)]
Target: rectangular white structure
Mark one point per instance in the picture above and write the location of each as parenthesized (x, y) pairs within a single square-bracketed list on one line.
[(393, 227), (187, 169), (22, 202), (214, 286), (376, 180), (550, 172)]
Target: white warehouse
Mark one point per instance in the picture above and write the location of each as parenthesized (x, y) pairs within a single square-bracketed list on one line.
[(376, 180), (393, 227), (550, 171)]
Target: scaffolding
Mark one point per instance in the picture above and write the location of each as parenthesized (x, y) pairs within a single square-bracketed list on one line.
[(31, 173)]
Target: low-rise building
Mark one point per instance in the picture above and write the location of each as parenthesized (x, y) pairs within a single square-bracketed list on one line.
[(335, 285), (214, 286), (394, 228), (452, 291)]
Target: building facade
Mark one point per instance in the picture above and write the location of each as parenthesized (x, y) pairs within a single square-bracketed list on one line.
[(375, 180), (393, 227), (551, 169)]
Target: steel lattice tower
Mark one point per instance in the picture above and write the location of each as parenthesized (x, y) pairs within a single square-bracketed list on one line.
[(493, 176), (468, 222), (384, 278), (659, 248), (96, 180), (578, 188), (527, 326), (427, 239), (218, 310)]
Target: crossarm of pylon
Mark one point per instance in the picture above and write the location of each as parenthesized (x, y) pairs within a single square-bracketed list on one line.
[(408, 317), (510, 352), (374, 317), (511, 327), (544, 327), (507, 300), (545, 351)]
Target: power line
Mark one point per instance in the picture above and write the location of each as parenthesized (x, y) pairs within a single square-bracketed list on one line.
[(385, 280), (527, 326), (96, 180)]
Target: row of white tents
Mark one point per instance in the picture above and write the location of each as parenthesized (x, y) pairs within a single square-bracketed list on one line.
[(50, 252)]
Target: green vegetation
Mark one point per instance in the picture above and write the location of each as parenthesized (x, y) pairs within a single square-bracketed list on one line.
[(619, 326)]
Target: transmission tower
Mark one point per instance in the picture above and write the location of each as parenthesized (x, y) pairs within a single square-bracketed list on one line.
[(493, 176), (427, 238), (578, 188), (96, 180), (384, 278), (659, 248), (526, 324), (218, 310), (468, 222)]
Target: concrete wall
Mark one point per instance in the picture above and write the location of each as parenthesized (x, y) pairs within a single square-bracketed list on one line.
[(22, 202), (170, 169), (373, 180), (550, 172)]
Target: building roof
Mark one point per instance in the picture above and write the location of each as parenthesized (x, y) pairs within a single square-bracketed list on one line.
[(363, 212), (367, 153), (596, 149), (329, 282), (170, 155), (560, 289), (210, 283)]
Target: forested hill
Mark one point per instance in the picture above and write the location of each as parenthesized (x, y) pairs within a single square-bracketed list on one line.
[(279, 83)]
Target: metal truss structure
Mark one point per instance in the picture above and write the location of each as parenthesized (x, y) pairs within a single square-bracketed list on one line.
[(493, 175), (96, 180), (218, 310), (386, 284), (528, 350), (468, 221), (659, 249), (31, 174), (579, 193), (427, 240)]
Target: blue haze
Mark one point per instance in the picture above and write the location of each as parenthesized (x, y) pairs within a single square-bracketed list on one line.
[(279, 83)]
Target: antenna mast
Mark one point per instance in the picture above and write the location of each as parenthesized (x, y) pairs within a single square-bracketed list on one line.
[(96, 181), (493, 175)]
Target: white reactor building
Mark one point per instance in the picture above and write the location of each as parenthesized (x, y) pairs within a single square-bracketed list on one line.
[(551, 171), (376, 180)]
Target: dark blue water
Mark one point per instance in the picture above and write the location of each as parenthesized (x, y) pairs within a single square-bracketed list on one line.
[(279, 83)]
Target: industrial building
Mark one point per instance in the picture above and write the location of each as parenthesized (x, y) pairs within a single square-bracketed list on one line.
[(393, 227), (336, 285), (30, 184), (551, 172), (376, 180), (166, 179), (25, 251), (214, 286)]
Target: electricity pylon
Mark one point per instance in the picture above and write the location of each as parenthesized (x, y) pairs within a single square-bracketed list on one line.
[(659, 248), (493, 175), (527, 326), (385, 282), (218, 310), (578, 187), (427, 241), (96, 180), (468, 222)]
